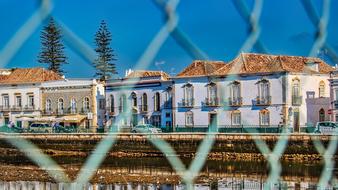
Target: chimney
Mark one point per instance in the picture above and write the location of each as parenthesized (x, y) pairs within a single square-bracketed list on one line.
[(312, 65)]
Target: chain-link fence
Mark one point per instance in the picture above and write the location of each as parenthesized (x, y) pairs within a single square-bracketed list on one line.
[(170, 28)]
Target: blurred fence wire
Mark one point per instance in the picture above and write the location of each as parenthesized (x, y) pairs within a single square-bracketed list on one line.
[(170, 28)]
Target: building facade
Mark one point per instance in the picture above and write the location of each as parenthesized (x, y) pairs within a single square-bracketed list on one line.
[(20, 94), (142, 97), (253, 90), (74, 102)]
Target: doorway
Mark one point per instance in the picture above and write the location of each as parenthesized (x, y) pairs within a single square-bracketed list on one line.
[(213, 120), (296, 121)]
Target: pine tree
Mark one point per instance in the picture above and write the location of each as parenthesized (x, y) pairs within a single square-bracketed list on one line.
[(104, 64), (52, 51)]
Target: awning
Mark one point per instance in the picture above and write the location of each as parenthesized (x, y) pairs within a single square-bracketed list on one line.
[(25, 118), (72, 118), (45, 119)]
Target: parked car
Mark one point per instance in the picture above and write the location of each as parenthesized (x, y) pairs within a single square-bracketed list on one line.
[(325, 127), (145, 128), (40, 128)]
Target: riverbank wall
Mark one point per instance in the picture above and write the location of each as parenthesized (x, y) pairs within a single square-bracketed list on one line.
[(299, 148)]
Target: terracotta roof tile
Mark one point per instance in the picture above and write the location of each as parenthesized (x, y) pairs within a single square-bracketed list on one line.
[(261, 63), (29, 75), (147, 73), (201, 68)]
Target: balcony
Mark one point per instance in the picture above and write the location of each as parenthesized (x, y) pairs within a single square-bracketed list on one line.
[(29, 108), (85, 110), (212, 102), (235, 101), (60, 112), (47, 112), (144, 109), (16, 108), (188, 103), (263, 101), (5, 108), (297, 100)]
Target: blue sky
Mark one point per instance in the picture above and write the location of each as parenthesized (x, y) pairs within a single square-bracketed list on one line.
[(214, 26)]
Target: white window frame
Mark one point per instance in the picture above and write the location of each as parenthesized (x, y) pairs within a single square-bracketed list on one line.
[(189, 118)]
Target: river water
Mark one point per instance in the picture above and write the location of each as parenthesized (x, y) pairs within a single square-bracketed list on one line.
[(18, 173)]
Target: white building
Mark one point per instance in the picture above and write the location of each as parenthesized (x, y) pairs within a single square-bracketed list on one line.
[(20, 94), (141, 97), (253, 90)]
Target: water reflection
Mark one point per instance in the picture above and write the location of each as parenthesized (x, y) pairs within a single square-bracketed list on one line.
[(224, 184), (156, 173)]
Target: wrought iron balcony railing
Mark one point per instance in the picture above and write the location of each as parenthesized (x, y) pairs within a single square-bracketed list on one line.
[(214, 101), (188, 102), (235, 101), (263, 100)]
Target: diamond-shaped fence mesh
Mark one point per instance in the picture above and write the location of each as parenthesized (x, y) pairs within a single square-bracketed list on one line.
[(170, 28)]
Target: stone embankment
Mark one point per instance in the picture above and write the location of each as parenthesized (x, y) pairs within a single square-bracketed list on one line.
[(300, 147)]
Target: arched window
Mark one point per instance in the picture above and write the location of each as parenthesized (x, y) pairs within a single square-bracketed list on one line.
[(321, 115), (73, 105), (48, 105), (112, 103), (133, 99), (321, 89), (144, 106), (189, 118), (264, 117), (188, 91), (157, 101), (123, 103), (86, 105), (296, 92), (60, 106), (236, 117)]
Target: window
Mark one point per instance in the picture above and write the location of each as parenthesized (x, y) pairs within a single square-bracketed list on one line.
[(296, 94), (157, 102), (264, 117), (235, 93), (144, 102), (5, 101), (73, 105), (336, 94), (18, 101), (48, 105), (212, 91), (167, 115), (101, 104), (263, 89), (295, 88), (263, 92), (112, 103), (31, 101), (321, 115), (236, 118), (156, 120), (123, 103), (133, 99), (86, 105), (321, 89), (189, 119), (188, 95), (60, 106), (168, 98)]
